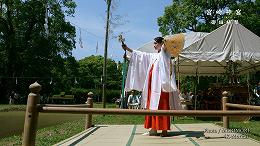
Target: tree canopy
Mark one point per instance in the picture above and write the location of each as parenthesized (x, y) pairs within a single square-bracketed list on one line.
[(34, 39), (207, 15), (91, 70), (36, 43)]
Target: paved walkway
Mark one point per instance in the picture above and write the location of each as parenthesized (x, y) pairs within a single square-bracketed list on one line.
[(205, 134)]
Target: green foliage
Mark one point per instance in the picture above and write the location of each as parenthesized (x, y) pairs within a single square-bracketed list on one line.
[(91, 71), (51, 135), (252, 127), (8, 108), (250, 14), (192, 83), (191, 15), (26, 51), (29, 54)]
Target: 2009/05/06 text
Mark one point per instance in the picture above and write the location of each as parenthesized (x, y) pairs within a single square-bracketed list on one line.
[(230, 133)]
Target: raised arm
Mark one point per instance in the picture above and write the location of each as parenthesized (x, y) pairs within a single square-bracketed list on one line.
[(124, 46)]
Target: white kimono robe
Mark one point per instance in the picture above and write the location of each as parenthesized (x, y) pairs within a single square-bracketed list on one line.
[(137, 78)]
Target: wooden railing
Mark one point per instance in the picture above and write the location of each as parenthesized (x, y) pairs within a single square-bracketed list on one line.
[(33, 109), (226, 105), (241, 106)]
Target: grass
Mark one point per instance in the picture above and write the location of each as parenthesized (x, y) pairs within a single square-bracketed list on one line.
[(54, 134), (50, 135), (8, 108), (252, 128)]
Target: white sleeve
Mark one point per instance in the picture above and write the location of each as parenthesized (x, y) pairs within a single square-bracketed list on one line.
[(167, 79), (257, 94), (137, 70)]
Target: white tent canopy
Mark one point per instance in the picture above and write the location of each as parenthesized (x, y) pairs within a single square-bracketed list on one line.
[(208, 54), (190, 38)]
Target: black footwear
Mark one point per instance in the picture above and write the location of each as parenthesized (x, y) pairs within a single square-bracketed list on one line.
[(164, 134), (152, 132)]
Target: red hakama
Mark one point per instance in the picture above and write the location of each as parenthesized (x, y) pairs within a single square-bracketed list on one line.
[(157, 122)]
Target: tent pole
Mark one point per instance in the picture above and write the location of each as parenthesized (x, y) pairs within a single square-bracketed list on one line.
[(178, 66), (248, 89), (124, 68), (197, 66), (196, 84), (123, 100)]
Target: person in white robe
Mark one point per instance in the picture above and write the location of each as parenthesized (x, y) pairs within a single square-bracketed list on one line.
[(153, 74)]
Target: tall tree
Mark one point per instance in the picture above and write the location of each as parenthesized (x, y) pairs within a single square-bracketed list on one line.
[(250, 14), (27, 47), (207, 15), (90, 71)]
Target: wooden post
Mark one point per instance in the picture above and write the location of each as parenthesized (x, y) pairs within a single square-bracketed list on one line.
[(31, 116), (89, 102), (224, 107)]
